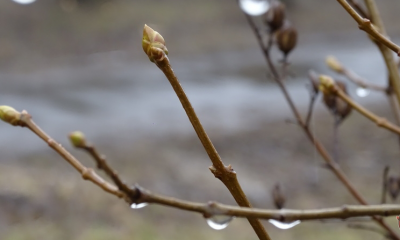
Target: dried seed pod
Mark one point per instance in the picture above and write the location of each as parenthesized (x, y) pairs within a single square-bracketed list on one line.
[(275, 16), (335, 104), (393, 187), (279, 199), (286, 38)]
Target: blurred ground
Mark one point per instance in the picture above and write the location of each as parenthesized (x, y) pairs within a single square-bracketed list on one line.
[(81, 67)]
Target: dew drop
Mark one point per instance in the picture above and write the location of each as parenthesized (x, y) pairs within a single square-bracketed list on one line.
[(254, 7), (24, 1), (139, 205), (219, 222), (362, 92), (284, 225)]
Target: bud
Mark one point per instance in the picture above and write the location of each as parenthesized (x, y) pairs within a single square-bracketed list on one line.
[(279, 199), (393, 187), (153, 44), (335, 104), (325, 84), (77, 139), (275, 16), (334, 64), (10, 115), (286, 38)]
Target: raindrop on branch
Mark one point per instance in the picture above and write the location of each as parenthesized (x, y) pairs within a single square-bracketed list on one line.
[(254, 7), (284, 225), (139, 205), (24, 1), (219, 222), (362, 92)]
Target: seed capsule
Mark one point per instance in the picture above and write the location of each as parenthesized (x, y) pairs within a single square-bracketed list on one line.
[(286, 38), (335, 104), (275, 17)]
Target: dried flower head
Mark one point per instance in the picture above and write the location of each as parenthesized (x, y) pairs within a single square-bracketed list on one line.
[(10, 115), (153, 44), (286, 38), (275, 16)]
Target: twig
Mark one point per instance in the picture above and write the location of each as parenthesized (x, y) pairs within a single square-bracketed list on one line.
[(379, 37), (369, 228), (356, 5), (380, 122), (384, 184), (314, 94), (319, 147), (225, 173), (87, 173), (366, 25)]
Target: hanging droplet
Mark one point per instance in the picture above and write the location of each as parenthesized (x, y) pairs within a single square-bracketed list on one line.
[(362, 92), (219, 222), (284, 225), (254, 7), (24, 1), (139, 205)]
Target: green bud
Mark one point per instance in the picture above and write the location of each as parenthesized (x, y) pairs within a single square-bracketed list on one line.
[(153, 44), (77, 139), (326, 84), (10, 115)]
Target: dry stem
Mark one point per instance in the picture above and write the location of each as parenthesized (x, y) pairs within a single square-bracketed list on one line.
[(225, 173)]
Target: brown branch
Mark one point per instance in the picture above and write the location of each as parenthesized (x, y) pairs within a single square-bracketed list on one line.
[(356, 5), (319, 147), (378, 34), (156, 51), (87, 173), (366, 25), (329, 84)]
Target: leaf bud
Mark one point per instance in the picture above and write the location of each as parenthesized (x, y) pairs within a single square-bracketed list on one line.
[(77, 139), (153, 44), (10, 115), (334, 64)]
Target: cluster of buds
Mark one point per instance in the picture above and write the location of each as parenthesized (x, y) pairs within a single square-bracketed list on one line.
[(285, 33), (338, 107)]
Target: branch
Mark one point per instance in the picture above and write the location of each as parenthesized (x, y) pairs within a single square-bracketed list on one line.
[(366, 25), (358, 7), (338, 67), (328, 84), (318, 146), (154, 46), (379, 38)]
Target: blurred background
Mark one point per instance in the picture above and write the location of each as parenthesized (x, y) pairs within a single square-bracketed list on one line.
[(78, 65)]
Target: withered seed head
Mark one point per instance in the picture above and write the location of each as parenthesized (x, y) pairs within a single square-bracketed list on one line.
[(336, 105), (279, 199), (275, 16), (286, 38)]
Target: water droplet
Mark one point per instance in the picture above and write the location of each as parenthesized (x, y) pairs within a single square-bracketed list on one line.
[(254, 7), (24, 1), (139, 205), (284, 225), (362, 92), (219, 222)]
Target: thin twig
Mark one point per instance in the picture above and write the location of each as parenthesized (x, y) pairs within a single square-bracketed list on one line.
[(87, 173), (225, 173), (352, 76), (384, 184), (314, 94), (369, 228), (379, 121), (356, 5), (378, 34)]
